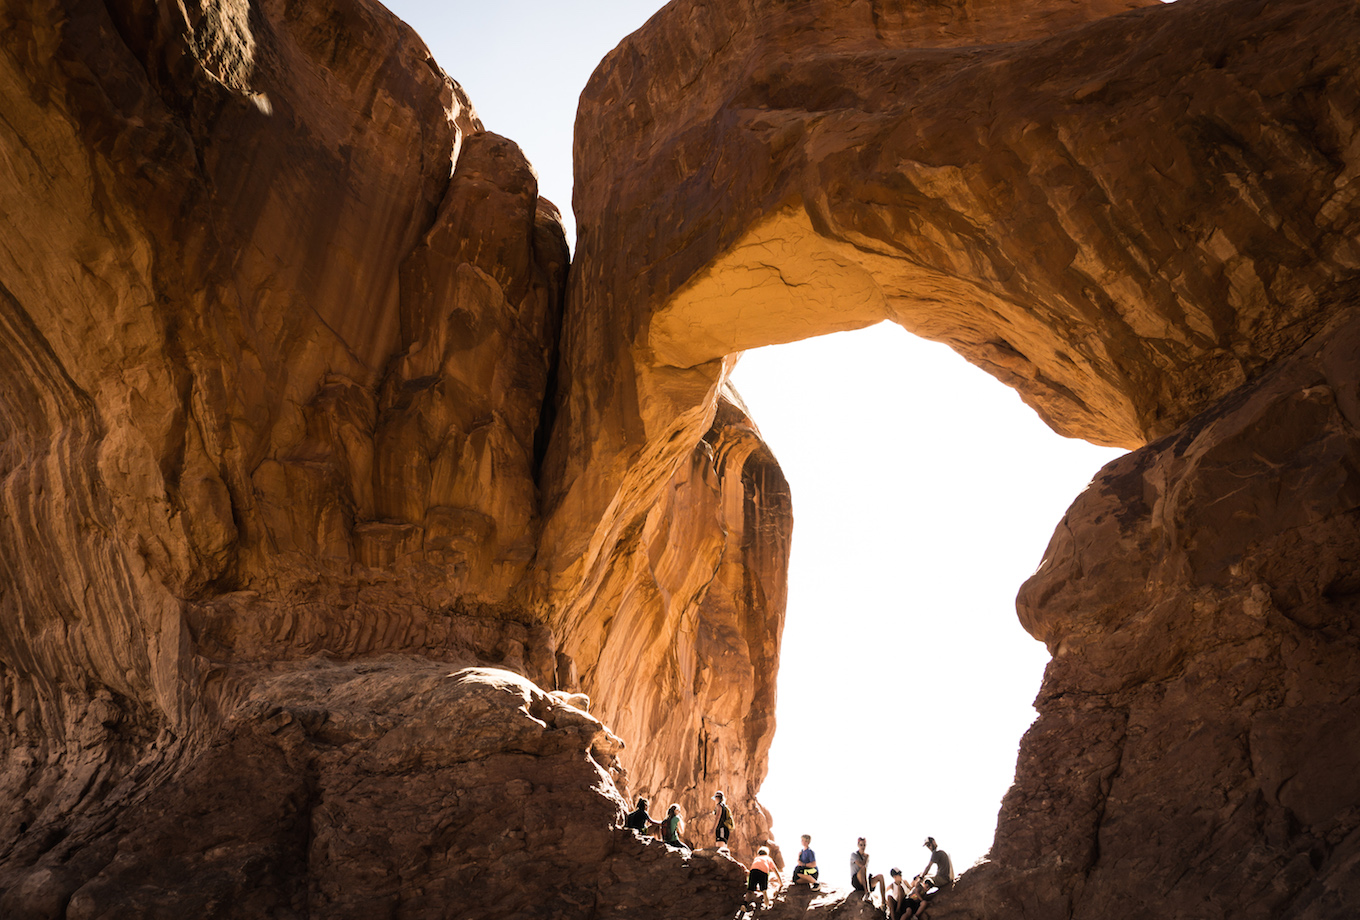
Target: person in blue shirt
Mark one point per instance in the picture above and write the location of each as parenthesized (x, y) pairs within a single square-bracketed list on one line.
[(805, 873)]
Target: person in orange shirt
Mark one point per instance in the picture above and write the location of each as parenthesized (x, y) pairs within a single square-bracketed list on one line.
[(762, 870)]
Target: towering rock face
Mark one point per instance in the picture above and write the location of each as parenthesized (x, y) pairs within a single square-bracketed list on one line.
[(280, 323), (1198, 722), (1144, 218)]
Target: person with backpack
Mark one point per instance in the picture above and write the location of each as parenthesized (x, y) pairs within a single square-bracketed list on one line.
[(722, 830), (672, 827)]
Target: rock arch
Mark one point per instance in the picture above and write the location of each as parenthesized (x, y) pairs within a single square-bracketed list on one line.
[(1141, 217)]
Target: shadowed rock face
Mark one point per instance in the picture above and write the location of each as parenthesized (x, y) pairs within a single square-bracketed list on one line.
[(1197, 723), (280, 321), (317, 495)]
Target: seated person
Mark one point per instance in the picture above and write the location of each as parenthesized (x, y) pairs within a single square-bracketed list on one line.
[(860, 879), (639, 820), (673, 827), (943, 878), (762, 870), (904, 900), (805, 873)]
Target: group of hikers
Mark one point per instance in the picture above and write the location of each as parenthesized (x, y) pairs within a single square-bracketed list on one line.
[(898, 899), (674, 823)]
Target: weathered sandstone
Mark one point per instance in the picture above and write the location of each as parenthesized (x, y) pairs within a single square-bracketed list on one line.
[(280, 324), (1198, 722), (357, 562), (1137, 215)]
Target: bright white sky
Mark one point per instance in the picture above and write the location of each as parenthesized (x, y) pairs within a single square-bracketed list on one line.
[(924, 494)]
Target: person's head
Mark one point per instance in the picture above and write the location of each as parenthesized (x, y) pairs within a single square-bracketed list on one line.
[(763, 851), (895, 872), (861, 844), (719, 796), (930, 842), (673, 810), (642, 803), (807, 840)]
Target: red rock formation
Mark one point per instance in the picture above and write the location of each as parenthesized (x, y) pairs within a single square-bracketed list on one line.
[(1133, 220), (281, 322), (682, 633), (1201, 603)]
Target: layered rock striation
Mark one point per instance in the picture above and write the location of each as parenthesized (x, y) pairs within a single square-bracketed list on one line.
[(281, 323)]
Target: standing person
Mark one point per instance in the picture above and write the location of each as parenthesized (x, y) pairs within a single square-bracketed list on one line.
[(722, 830), (860, 879), (762, 870), (639, 820), (944, 867), (673, 827), (805, 873)]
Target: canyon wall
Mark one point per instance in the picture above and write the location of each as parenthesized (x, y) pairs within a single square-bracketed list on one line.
[(325, 481), (281, 324)]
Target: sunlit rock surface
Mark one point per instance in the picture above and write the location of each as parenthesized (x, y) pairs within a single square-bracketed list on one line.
[(682, 632)]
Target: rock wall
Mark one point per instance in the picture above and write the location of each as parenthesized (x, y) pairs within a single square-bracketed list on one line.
[(692, 606), (280, 326), (1197, 723)]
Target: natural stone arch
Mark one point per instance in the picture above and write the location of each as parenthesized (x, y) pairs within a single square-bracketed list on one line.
[(1123, 216)]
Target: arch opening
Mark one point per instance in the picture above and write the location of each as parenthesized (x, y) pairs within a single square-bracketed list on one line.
[(924, 495)]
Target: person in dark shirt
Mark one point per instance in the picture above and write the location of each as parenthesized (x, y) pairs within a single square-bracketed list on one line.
[(944, 867), (722, 830), (639, 820)]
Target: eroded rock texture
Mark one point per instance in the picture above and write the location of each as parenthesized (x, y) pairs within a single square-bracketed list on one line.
[(299, 439), (280, 321), (1202, 603), (691, 602), (1144, 218)]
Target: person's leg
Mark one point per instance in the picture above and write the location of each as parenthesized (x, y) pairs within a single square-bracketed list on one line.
[(882, 894)]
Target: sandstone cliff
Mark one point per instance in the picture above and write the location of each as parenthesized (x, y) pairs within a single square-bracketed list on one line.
[(324, 488), (280, 327)]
